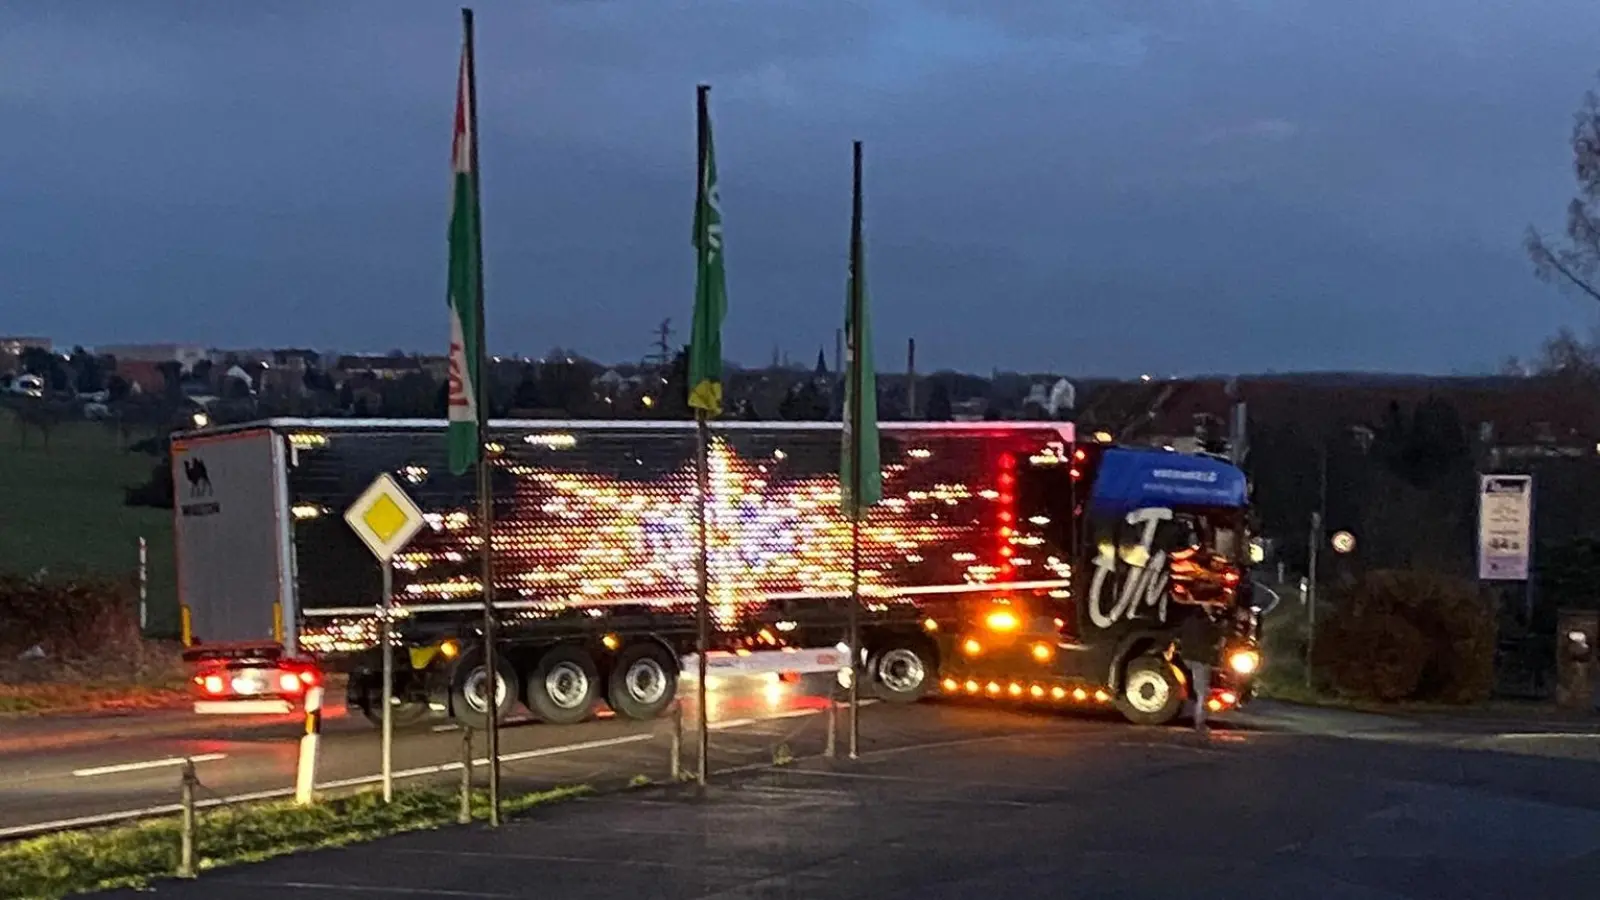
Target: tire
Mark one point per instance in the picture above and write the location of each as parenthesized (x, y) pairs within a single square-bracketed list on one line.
[(1151, 692), (563, 685), (467, 690), (901, 669), (367, 694), (643, 682), (406, 714)]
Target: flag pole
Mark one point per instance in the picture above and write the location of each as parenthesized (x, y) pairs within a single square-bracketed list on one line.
[(702, 612), (485, 495), (854, 376)]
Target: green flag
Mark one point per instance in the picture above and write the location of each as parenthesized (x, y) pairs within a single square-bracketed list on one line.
[(864, 488), (710, 281), (465, 294)]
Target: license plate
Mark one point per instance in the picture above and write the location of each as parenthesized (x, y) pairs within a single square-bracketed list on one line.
[(249, 682)]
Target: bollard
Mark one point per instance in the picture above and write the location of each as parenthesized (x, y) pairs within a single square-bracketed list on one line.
[(186, 849), (306, 776), (831, 748), (677, 742), (464, 816)]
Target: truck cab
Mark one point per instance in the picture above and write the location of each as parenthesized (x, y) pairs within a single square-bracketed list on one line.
[(1159, 558)]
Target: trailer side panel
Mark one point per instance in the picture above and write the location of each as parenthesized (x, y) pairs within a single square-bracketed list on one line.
[(230, 537)]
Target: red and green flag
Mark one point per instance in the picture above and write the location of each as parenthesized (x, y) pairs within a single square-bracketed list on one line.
[(465, 292)]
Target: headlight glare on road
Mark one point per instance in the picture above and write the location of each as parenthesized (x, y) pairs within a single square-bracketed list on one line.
[(1244, 662)]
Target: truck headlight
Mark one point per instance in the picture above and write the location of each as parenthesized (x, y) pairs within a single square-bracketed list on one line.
[(1244, 662)]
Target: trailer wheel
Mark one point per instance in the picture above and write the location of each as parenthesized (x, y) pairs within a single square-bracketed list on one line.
[(406, 713), (469, 690), (901, 669), (1151, 692), (563, 685), (643, 683)]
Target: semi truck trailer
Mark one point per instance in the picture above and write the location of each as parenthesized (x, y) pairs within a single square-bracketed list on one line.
[(1006, 560)]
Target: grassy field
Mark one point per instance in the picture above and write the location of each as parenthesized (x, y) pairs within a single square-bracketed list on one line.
[(61, 510)]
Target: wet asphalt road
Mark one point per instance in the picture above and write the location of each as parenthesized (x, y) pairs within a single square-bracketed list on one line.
[(54, 772), (961, 801)]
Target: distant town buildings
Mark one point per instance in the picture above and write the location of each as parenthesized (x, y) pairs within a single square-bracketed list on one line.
[(187, 355), (11, 350)]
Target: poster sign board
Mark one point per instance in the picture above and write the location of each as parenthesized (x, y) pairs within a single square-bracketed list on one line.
[(1505, 527)]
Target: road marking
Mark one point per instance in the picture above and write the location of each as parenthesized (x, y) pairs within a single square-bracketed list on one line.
[(484, 761), (373, 889), (732, 723), (151, 764), (787, 714), (1547, 735), (615, 861), (279, 793)]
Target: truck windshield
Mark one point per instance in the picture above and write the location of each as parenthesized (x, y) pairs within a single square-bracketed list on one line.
[(1212, 532)]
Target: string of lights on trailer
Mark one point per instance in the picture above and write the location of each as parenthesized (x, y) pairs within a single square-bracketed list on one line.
[(734, 481)]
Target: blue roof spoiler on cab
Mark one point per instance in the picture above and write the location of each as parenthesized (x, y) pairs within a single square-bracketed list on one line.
[(1132, 479)]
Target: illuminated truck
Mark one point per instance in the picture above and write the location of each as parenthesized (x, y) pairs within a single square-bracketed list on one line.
[(1006, 560)]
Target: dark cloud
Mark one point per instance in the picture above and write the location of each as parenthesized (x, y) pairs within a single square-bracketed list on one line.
[(1091, 186)]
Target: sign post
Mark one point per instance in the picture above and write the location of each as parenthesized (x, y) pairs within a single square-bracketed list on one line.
[(385, 519)]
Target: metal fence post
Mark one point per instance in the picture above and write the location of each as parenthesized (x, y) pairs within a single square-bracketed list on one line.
[(186, 848), (831, 748), (677, 741), (144, 586), (464, 815)]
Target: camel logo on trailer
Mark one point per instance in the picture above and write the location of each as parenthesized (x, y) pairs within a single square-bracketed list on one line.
[(199, 479), (194, 469)]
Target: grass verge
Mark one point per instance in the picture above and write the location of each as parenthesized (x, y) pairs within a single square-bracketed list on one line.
[(134, 854), (36, 699), (63, 511)]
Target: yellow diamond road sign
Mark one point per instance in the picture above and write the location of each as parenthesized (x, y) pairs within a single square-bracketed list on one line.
[(384, 517)]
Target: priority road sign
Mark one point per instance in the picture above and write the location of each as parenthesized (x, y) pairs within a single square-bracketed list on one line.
[(384, 517)]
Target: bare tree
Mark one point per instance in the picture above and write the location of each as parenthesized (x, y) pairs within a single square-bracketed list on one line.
[(1574, 262)]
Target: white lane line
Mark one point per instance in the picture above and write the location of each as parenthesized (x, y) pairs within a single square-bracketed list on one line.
[(168, 809), (329, 886), (484, 760), (1547, 735), (732, 723), (151, 764), (787, 714), (279, 793)]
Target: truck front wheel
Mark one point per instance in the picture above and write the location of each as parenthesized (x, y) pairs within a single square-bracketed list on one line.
[(1151, 693), (901, 668), (643, 682), (563, 685)]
